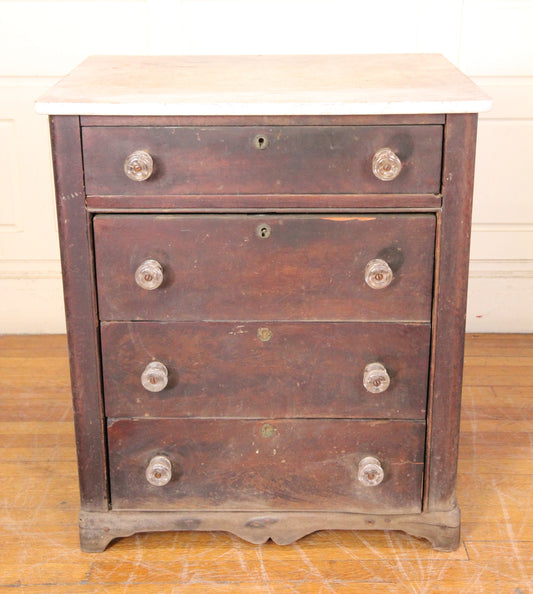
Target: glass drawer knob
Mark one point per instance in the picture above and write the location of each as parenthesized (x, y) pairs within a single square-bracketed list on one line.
[(370, 473), (159, 471), (386, 164), (154, 378), (139, 166), (149, 275), (378, 274), (375, 378)]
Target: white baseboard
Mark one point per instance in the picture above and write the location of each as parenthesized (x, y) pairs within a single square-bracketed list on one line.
[(500, 296), (32, 305)]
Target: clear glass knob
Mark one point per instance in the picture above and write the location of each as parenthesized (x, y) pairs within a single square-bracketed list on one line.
[(154, 378), (149, 275), (139, 166), (375, 378), (370, 472), (378, 274), (386, 164), (159, 471)]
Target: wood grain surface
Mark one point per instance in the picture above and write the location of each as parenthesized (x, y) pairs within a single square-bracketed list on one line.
[(301, 370), (80, 310), (39, 502), (308, 267), (290, 159), (266, 465)]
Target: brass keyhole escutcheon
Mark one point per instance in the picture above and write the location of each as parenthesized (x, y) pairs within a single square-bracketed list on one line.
[(263, 231), (260, 142), (268, 430), (264, 334)]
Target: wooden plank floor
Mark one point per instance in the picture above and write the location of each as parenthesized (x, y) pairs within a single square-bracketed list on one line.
[(39, 501)]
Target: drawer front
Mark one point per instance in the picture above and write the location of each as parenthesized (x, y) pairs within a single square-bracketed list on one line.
[(228, 369), (266, 465), (245, 267), (262, 160)]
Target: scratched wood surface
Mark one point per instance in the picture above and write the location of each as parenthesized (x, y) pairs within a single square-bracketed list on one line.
[(39, 502), (298, 159), (304, 266)]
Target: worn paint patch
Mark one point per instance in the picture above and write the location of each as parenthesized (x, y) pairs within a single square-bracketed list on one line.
[(348, 218)]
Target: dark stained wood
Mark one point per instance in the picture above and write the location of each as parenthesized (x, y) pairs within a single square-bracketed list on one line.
[(259, 120), (222, 369), (40, 553), (442, 529), (266, 465), (310, 268), (265, 203), (297, 159), (450, 310), (265, 437), (81, 314)]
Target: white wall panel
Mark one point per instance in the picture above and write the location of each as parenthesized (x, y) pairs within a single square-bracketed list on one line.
[(28, 164), (504, 166), (51, 37), (32, 305), (497, 242), (30, 276), (512, 97), (497, 38), (489, 39), (500, 301), (9, 187), (285, 26), (439, 27), (166, 27), (501, 271)]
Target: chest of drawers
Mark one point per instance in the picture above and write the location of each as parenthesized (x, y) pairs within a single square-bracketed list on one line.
[(265, 264)]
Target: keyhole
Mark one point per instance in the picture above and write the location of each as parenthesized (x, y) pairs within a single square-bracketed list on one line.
[(263, 231), (260, 142)]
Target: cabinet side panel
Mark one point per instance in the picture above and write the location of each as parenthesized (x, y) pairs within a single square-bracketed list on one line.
[(80, 307), (450, 310)]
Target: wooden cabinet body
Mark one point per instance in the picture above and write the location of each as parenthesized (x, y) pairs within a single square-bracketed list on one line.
[(265, 321)]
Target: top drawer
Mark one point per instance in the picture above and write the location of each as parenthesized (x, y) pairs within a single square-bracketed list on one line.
[(264, 160)]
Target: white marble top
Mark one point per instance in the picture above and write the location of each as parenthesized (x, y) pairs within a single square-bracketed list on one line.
[(264, 85)]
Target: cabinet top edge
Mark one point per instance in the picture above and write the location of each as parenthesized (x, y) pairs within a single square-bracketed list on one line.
[(377, 84)]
